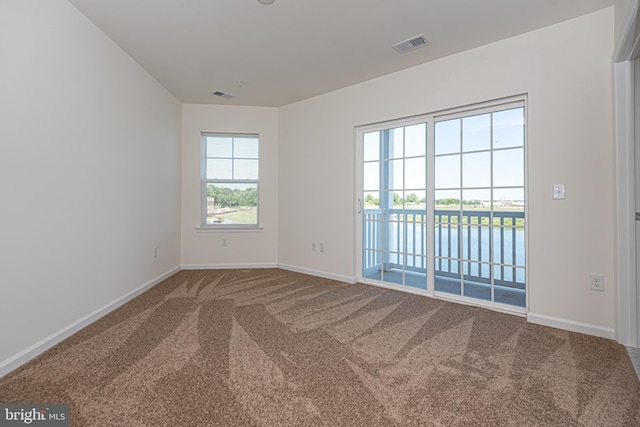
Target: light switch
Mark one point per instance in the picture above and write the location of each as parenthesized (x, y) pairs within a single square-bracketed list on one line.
[(558, 191)]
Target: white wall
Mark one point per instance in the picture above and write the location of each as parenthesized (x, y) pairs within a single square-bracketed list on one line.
[(89, 172), (245, 248), (566, 71)]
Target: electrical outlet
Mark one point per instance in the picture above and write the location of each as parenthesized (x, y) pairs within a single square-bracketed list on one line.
[(558, 191), (596, 282), (314, 246), (155, 252), (224, 242), (321, 246)]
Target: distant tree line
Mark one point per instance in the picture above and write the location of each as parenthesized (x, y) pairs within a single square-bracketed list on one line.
[(454, 201), (413, 199)]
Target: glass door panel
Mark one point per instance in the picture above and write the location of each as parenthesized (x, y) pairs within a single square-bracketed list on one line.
[(443, 204), (479, 229), (394, 228)]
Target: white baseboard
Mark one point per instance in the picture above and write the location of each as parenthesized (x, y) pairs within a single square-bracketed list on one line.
[(394, 287), (311, 272), (331, 276), (43, 345), (228, 266), (572, 325)]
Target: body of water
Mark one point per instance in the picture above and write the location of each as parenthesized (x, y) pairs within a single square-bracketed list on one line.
[(406, 244)]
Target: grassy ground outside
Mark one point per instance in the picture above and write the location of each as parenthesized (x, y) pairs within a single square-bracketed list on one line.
[(245, 216)]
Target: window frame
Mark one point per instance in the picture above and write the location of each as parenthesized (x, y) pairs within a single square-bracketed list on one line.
[(204, 182)]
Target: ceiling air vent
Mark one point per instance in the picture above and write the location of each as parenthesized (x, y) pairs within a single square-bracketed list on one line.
[(222, 94), (410, 44)]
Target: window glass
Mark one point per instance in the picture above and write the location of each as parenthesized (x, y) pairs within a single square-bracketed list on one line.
[(476, 132), (447, 137), (230, 180), (508, 128)]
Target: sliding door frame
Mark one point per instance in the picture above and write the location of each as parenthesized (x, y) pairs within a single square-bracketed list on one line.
[(360, 131), (430, 120)]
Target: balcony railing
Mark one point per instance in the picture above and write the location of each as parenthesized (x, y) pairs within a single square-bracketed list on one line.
[(396, 239)]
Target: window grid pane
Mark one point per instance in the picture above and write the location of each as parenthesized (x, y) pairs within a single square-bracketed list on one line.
[(395, 197), (479, 238), (230, 183)]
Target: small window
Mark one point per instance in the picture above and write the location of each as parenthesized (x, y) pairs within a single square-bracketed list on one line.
[(230, 180)]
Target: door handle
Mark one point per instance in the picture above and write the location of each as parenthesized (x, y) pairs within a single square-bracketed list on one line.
[(359, 205)]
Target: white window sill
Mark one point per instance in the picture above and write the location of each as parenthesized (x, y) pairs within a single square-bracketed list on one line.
[(228, 229)]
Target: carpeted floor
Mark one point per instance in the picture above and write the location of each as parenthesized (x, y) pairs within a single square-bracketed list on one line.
[(275, 348)]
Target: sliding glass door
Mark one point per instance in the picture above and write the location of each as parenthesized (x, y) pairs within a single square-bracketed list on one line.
[(442, 205), (479, 206), (394, 213)]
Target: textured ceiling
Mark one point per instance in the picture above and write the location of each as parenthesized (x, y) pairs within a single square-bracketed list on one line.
[(295, 49)]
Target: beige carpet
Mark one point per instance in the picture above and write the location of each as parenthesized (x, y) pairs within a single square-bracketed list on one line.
[(277, 348)]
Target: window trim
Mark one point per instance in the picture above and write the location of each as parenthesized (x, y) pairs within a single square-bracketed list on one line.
[(203, 226)]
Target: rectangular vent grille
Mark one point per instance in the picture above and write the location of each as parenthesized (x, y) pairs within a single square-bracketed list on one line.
[(222, 94), (412, 43)]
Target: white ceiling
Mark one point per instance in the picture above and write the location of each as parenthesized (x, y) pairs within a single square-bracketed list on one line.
[(295, 49)]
